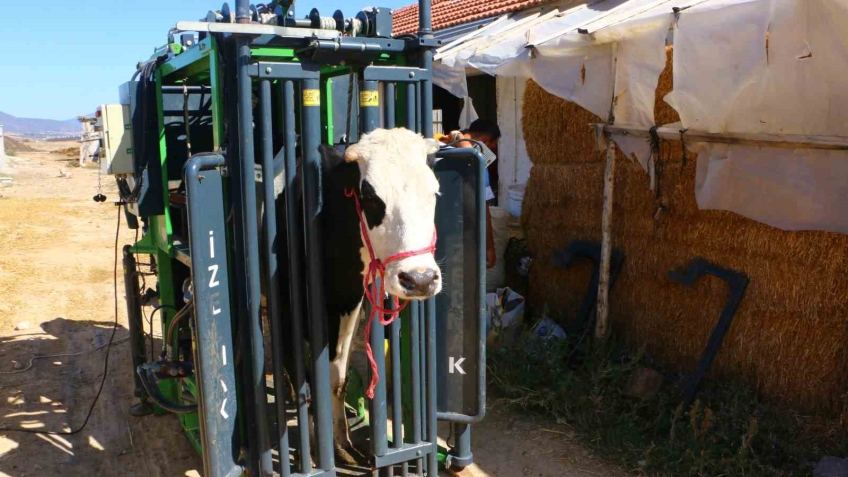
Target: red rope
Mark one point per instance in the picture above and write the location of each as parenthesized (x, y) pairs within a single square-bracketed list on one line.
[(378, 268)]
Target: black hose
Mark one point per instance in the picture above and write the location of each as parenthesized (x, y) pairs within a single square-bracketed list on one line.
[(156, 396)]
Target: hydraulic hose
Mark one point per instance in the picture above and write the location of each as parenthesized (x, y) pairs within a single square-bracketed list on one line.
[(153, 391)]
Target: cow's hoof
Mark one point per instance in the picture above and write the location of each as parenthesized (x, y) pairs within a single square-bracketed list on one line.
[(348, 455)]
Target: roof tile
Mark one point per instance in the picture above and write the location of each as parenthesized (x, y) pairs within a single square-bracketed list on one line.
[(447, 13)]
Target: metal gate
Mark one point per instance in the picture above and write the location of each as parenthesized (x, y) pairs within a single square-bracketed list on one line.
[(436, 347)]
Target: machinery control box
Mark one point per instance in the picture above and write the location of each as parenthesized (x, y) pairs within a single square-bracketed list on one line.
[(115, 126)]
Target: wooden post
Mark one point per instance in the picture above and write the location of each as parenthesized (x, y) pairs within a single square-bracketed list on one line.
[(602, 323)]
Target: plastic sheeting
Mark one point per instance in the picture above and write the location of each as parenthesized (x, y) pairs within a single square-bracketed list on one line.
[(740, 66), (789, 189), (468, 114), (781, 67)]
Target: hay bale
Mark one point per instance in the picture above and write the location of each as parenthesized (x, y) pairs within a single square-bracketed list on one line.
[(564, 126), (663, 112), (788, 336)]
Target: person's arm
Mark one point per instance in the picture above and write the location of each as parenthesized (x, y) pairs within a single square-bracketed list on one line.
[(491, 256)]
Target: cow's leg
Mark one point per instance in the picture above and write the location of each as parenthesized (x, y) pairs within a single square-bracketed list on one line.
[(338, 384)]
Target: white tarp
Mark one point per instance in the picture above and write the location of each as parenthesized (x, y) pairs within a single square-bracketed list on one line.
[(778, 66), (740, 66)]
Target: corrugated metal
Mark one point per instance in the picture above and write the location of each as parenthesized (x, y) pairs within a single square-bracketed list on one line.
[(450, 34)]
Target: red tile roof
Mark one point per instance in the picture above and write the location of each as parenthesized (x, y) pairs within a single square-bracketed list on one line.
[(447, 13)]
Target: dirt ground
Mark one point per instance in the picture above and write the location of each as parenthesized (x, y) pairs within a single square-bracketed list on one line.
[(56, 297)]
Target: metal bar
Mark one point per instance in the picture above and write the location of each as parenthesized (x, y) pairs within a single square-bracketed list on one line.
[(396, 74), (258, 438), (432, 424), (242, 11), (273, 70), (255, 29), (404, 469), (389, 111), (405, 454), (461, 456), (378, 418), (784, 141), (136, 328), (415, 372), (369, 106), (191, 89), (273, 281), (397, 405), (312, 203), (410, 106), (294, 231), (214, 359), (418, 108), (422, 363), (425, 32), (371, 46)]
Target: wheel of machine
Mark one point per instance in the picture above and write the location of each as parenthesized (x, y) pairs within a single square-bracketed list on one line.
[(227, 15), (338, 16), (213, 17)]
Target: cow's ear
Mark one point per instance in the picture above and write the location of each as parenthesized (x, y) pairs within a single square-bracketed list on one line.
[(351, 154), (330, 157)]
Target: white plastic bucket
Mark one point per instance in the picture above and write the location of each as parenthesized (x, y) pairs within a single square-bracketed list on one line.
[(515, 195)]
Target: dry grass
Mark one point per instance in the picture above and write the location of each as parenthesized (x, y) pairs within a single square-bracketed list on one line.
[(72, 152), (16, 145), (788, 337)]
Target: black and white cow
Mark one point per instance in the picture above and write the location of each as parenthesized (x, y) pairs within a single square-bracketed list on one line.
[(390, 174)]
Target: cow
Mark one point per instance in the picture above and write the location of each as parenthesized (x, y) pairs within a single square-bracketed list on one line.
[(378, 216)]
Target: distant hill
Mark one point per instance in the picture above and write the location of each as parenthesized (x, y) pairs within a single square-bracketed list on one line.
[(14, 124)]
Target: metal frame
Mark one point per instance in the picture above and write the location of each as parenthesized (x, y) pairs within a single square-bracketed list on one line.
[(222, 248)]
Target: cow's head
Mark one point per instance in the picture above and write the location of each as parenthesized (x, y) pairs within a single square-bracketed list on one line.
[(397, 190)]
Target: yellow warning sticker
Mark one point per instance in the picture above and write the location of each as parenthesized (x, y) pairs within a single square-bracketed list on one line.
[(311, 97), (369, 98)]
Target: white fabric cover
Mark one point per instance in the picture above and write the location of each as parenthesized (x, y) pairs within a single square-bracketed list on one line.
[(726, 80)]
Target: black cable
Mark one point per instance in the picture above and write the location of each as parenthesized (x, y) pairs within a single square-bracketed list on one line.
[(105, 361), (141, 293)]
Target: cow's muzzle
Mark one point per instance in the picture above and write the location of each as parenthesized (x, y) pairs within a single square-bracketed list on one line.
[(420, 283)]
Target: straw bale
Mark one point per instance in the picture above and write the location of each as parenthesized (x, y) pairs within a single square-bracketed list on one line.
[(564, 126), (663, 112), (788, 337)]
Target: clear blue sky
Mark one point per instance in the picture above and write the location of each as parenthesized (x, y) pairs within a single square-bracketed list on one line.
[(64, 58)]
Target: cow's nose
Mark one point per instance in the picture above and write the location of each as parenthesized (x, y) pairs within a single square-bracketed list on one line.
[(419, 282)]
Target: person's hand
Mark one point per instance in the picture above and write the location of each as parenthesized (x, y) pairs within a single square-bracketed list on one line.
[(491, 257)]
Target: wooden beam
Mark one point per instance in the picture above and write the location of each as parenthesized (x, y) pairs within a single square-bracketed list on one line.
[(784, 141), (602, 324)]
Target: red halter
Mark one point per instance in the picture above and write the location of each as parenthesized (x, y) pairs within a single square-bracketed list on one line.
[(375, 268)]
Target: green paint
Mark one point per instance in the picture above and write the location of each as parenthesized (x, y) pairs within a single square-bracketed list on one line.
[(355, 396), (217, 94), (190, 58), (145, 246), (327, 110), (263, 52)]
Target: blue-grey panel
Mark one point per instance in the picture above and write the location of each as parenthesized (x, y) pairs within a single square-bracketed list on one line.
[(461, 226)]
